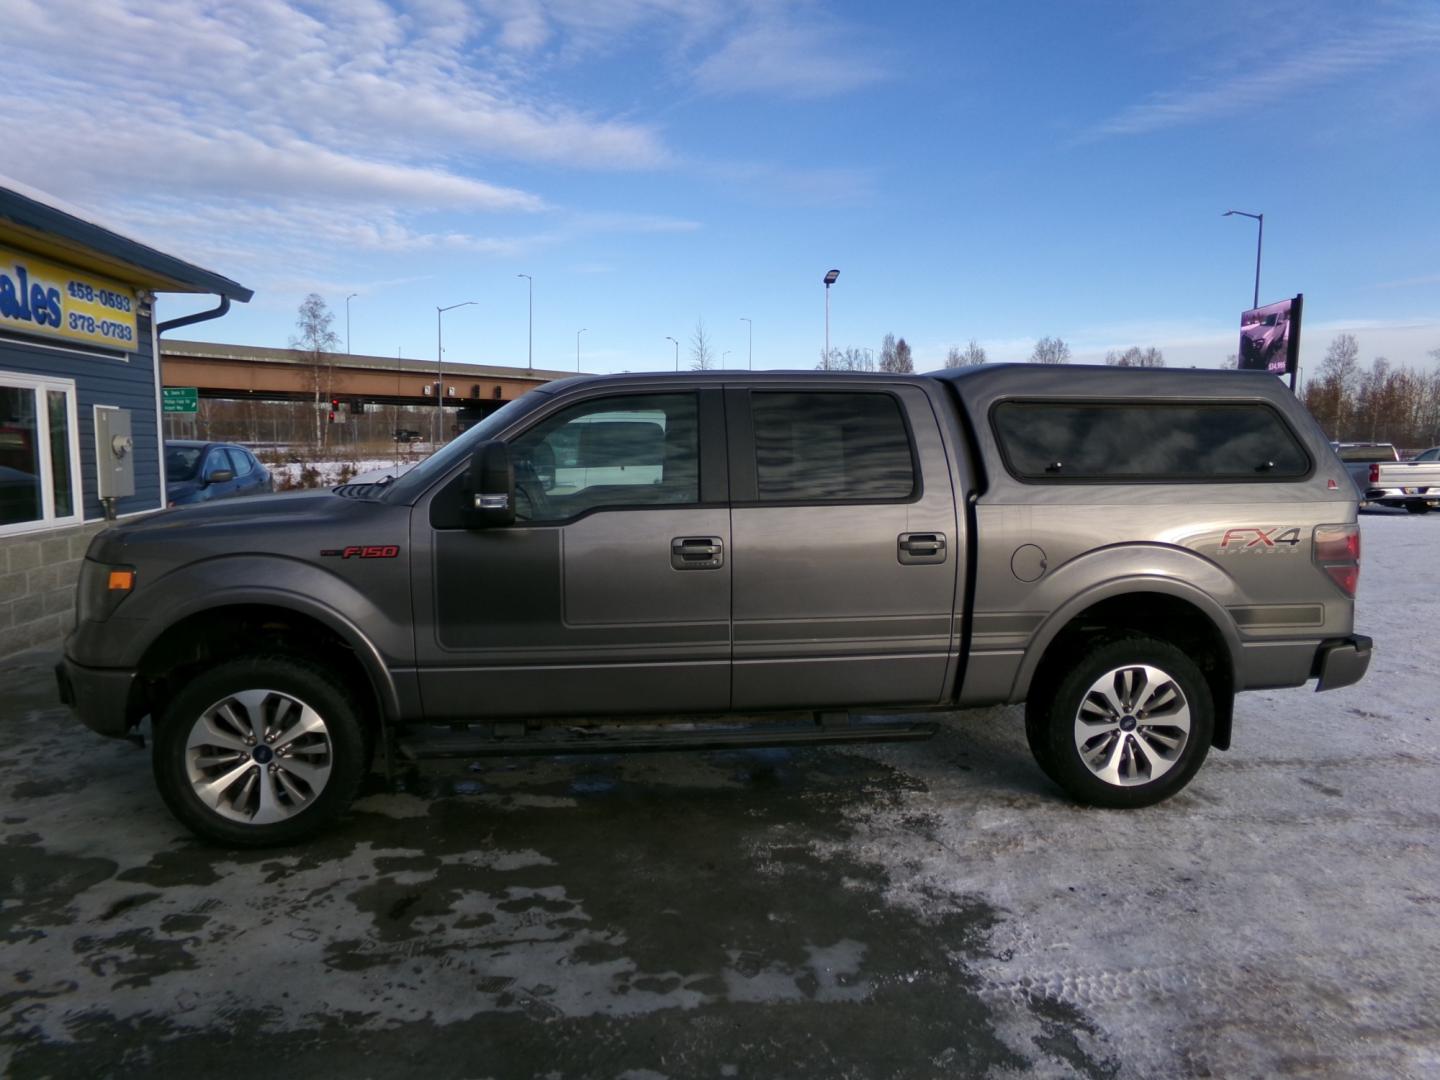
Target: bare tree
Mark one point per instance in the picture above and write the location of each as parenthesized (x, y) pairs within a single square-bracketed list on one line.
[(1330, 395), (1231, 362), (848, 359), (887, 353), (972, 356), (895, 356), (1136, 357), (317, 341), (1050, 350), (702, 355)]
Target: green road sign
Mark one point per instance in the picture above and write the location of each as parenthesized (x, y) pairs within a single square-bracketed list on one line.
[(180, 398)]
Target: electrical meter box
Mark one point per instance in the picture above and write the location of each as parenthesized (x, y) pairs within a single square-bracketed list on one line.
[(114, 453)]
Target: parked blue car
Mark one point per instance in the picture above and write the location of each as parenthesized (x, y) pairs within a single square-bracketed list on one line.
[(202, 471)]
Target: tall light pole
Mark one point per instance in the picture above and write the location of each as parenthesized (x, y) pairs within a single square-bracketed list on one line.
[(577, 347), (1259, 240), (724, 354), (677, 351), (347, 321), (829, 280), (440, 369), (750, 359), (530, 352)]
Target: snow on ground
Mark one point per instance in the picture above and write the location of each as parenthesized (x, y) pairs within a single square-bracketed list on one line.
[(1277, 917), (336, 470)]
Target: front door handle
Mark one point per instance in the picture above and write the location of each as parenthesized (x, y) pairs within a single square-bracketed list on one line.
[(697, 553), (917, 547)]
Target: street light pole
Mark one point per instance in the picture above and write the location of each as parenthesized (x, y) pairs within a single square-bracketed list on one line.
[(724, 354), (347, 321), (577, 347), (440, 369), (677, 351), (1259, 242), (750, 359), (829, 280), (530, 352)]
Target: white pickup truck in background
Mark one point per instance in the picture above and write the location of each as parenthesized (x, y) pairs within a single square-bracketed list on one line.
[(1382, 478)]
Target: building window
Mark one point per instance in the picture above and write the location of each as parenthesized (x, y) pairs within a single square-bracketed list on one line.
[(39, 454)]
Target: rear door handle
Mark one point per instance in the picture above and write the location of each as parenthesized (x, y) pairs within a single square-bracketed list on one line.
[(697, 553), (918, 547)]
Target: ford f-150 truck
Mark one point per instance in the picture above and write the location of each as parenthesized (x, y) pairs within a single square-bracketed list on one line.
[(769, 557)]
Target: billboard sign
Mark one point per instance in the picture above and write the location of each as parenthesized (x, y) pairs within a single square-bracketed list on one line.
[(1270, 337)]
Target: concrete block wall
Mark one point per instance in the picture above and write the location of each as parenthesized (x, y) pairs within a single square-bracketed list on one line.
[(38, 574)]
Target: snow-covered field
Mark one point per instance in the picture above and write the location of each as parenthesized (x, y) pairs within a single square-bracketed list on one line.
[(337, 470)]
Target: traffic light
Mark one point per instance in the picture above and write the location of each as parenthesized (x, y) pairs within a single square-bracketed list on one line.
[(334, 409)]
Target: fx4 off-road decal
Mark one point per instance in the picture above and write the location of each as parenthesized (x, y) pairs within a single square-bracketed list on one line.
[(1251, 539), (363, 551)]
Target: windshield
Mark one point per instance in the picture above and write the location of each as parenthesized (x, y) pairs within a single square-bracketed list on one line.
[(182, 462), (407, 486)]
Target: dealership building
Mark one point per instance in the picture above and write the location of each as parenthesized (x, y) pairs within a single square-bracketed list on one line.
[(80, 440)]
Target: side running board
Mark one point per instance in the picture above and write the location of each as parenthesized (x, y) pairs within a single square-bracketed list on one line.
[(498, 740)]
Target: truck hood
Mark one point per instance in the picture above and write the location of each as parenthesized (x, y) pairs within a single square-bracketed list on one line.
[(290, 523)]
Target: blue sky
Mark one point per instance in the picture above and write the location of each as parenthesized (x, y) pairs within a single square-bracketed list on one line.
[(998, 172)]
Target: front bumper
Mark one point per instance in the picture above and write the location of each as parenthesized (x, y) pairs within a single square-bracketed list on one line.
[(1342, 662), (100, 697)]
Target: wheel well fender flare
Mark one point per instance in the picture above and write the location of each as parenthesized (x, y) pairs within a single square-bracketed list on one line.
[(382, 681), (1061, 618)]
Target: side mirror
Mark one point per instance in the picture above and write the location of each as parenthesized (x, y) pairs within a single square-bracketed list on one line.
[(219, 476), (490, 486)]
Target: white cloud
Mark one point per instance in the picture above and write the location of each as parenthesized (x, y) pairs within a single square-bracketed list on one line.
[(1293, 69), (799, 59)]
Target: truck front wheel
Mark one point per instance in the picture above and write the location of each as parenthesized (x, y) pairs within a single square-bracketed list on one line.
[(1125, 726), (260, 751)]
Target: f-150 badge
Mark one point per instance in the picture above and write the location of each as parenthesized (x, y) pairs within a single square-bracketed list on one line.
[(363, 551)]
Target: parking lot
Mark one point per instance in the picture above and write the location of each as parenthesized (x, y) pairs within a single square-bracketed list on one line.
[(912, 910)]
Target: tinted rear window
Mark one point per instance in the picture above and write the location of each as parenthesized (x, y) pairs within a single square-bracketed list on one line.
[(1058, 441), (830, 447)]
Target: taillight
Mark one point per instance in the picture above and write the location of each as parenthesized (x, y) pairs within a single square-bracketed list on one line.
[(1336, 550), (1375, 475)]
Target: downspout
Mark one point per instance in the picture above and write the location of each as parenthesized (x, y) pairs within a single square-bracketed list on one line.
[(156, 329)]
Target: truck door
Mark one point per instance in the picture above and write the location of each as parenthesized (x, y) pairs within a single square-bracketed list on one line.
[(611, 591), (845, 546)]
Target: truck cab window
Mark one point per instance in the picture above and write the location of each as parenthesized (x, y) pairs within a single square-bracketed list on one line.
[(639, 450)]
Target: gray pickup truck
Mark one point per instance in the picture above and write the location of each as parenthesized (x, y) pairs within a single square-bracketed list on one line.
[(724, 559)]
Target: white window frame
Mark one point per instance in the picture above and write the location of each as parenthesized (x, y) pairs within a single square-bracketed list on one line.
[(47, 520)]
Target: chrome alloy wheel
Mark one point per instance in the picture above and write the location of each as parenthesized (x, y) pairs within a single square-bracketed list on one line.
[(258, 756), (1132, 726)]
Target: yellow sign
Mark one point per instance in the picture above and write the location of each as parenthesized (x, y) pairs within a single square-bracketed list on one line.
[(39, 297)]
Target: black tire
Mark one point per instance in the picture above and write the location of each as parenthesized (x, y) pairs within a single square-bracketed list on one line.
[(1159, 763), (302, 785), (1418, 507)]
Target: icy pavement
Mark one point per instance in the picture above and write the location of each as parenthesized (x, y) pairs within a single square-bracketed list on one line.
[(919, 910)]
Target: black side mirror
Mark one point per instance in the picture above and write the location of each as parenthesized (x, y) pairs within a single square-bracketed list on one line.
[(219, 476), (490, 486)]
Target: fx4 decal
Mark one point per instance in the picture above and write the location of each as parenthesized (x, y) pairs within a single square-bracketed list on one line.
[(363, 551), (1276, 540)]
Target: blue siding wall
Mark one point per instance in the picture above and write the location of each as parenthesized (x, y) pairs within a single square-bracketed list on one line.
[(104, 380)]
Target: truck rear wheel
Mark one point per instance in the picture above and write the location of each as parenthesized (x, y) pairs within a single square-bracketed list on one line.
[(1127, 725), (260, 751)]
